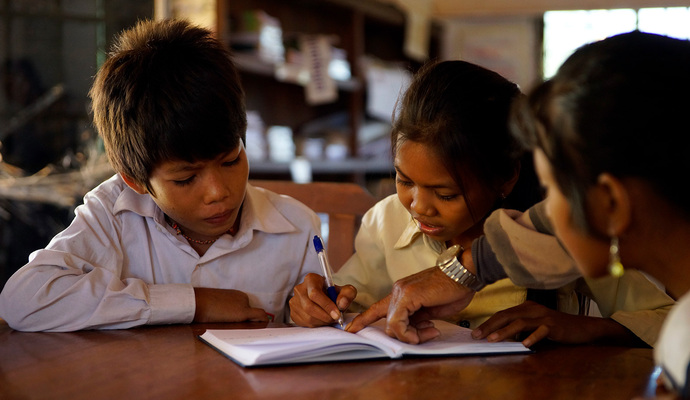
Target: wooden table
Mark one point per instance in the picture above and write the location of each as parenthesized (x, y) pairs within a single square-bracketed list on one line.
[(170, 362)]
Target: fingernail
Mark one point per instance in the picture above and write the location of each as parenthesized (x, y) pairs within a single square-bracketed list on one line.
[(493, 337), (335, 315), (342, 304), (476, 333)]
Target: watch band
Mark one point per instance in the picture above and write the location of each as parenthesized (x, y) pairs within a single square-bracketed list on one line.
[(449, 263)]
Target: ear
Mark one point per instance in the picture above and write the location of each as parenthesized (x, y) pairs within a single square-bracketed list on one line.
[(141, 189), (611, 205), (507, 187)]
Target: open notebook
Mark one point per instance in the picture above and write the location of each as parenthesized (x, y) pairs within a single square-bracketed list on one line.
[(293, 345)]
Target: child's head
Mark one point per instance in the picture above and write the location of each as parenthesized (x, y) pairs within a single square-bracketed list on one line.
[(454, 115), (168, 91), (618, 106)]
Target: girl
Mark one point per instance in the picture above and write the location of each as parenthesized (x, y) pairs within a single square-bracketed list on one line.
[(610, 141)]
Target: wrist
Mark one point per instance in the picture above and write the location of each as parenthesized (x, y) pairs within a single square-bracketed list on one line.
[(450, 263)]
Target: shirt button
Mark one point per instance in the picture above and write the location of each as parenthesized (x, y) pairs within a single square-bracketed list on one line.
[(464, 323)]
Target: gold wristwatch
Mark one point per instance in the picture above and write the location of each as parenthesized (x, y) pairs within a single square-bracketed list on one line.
[(449, 263)]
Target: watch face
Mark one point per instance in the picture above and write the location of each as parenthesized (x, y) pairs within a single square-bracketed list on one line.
[(448, 254)]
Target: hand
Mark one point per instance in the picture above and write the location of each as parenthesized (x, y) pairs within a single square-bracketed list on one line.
[(414, 301), (225, 305), (311, 307), (544, 322)]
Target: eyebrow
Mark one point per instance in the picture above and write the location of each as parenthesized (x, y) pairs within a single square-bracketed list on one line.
[(399, 171), (185, 166)]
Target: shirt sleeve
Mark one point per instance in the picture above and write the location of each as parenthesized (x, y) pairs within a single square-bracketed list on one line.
[(530, 258), (633, 301), (76, 283), (366, 269)]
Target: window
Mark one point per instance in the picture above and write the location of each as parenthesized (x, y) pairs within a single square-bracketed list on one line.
[(565, 31)]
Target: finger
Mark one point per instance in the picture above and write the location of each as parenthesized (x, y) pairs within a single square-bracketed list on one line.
[(426, 330), (505, 317), (257, 315), (374, 313), (346, 295), (489, 326), (307, 313), (511, 330), (404, 332), (315, 293), (302, 317), (398, 323), (540, 333)]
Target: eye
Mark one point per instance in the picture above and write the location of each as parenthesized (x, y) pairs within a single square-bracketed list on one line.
[(185, 182), (230, 163), (447, 197), (402, 182)]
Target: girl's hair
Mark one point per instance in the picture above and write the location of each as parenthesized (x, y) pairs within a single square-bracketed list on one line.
[(460, 111), (168, 91), (619, 106)]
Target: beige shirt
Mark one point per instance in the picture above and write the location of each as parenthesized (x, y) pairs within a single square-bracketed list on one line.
[(389, 246)]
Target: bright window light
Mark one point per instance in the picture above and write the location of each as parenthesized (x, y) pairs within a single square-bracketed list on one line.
[(674, 21), (565, 31)]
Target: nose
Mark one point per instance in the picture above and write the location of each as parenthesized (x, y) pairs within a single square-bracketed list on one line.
[(422, 202), (216, 188)]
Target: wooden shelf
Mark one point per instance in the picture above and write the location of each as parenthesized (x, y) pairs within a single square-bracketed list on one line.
[(361, 29), (252, 64)]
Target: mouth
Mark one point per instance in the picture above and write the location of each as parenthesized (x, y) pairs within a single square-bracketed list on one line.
[(219, 219), (429, 229)]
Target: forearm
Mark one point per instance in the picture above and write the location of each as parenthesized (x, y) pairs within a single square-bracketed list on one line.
[(483, 262), (43, 296), (607, 330)]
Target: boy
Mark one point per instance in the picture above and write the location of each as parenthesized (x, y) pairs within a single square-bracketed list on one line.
[(177, 235)]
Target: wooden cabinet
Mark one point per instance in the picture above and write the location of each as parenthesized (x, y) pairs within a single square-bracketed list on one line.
[(358, 27)]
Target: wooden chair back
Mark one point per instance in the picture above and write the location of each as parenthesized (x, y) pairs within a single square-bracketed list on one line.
[(344, 203)]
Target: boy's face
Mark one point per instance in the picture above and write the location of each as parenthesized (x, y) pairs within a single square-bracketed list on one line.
[(203, 197)]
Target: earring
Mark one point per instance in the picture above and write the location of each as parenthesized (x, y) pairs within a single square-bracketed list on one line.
[(615, 266)]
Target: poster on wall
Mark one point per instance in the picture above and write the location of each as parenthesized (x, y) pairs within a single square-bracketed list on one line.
[(507, 47)]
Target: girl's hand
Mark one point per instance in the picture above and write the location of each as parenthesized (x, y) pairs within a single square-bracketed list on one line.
[(311, 307), (545, 323)]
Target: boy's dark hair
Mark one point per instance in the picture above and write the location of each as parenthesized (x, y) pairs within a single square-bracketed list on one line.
[(168, 91), (460, 110), (619, 106)]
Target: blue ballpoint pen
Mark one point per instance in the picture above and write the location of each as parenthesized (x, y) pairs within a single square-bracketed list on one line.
[(330, 287)]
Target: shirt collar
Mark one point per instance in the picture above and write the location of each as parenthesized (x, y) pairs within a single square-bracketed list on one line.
[(412, 233), (258, 213)]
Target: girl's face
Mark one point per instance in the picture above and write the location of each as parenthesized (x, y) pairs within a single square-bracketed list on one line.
[(590, 254), (434, 200)]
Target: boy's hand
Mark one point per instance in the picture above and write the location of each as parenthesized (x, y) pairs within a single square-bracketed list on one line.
[(311, 307), (225, 305), (545, 323)]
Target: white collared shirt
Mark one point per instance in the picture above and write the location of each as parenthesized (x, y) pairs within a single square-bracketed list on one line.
[(120, 265)]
